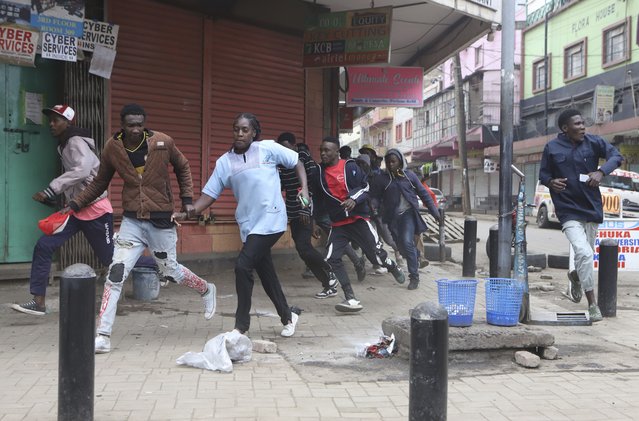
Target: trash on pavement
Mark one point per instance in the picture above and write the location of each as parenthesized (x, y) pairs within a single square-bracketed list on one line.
[(385, 348), (220, 352)]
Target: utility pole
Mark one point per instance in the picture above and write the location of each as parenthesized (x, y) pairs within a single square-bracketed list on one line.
[(460, 115), (506, 144)]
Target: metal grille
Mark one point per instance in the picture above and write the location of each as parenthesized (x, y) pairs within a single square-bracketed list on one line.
[(85, 93)]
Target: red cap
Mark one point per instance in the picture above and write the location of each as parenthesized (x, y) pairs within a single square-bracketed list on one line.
[(54, 223), (62, 110)]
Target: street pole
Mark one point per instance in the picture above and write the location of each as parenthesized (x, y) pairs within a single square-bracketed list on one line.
[(506, 145), (460, 115)]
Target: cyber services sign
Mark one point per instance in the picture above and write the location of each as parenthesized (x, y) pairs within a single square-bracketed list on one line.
[(385, 87), (349, 38)]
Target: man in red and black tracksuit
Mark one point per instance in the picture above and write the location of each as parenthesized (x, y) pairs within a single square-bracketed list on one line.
[(343, 189)]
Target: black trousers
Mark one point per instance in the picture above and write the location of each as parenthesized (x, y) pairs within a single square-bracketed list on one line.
[(256, 254), (302, 235), (363, 233)]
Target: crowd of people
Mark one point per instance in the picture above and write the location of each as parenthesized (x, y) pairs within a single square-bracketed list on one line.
[(356, 203)]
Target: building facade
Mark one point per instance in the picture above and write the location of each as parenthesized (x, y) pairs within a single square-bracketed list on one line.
[(583, 55)]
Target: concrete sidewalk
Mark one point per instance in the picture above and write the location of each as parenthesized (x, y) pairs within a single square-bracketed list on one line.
[(316, 375)]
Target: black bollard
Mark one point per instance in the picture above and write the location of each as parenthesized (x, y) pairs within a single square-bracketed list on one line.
[(442, 235), (470, 246), (428, 389), (77, 353), (607, 290), (493, 248)]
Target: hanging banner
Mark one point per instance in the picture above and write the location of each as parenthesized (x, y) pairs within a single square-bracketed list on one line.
[(59, 47), (102, 62), (345, 119), (63, 17), (385, 87), (349, 38), (18, 45), (98, 33), (604, 104), (15, 11)]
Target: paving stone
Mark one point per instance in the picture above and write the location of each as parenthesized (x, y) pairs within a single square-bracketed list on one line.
[(550, 353), (527, 359), (264, 347)]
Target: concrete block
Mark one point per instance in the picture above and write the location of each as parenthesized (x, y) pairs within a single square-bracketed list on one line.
[(527, 359), (550, 353), (479, 336), (264, 347)]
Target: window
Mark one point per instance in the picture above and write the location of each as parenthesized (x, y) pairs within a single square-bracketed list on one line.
[(616, 44), (452, 72), (539, 75), (398, 133), (575, 60), (478, 55), (409, 129)]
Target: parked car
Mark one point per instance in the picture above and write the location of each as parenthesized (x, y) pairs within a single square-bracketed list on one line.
[(619, 194), (441, 201)]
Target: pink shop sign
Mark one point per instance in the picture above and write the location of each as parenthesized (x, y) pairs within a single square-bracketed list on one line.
[(385, 87)]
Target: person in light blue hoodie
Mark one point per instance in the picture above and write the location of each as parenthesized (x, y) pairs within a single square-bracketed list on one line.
[(250, 169)]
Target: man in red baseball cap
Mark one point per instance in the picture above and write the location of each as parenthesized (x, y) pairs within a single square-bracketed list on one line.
[(80, 163)]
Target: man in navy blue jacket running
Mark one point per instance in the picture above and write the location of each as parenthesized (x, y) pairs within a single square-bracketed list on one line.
[(343, 189), (569, 168)]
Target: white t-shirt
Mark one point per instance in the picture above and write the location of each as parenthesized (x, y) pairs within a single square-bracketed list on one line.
[(255, 182)]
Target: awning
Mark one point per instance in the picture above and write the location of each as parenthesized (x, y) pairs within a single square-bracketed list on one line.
[(425, 33)]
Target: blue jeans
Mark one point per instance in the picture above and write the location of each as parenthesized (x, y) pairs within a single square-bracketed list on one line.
[(403, 231), (98, 232)]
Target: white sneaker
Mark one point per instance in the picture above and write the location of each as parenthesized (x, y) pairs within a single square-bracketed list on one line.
[(209, 302), (349, 306), (289, 329), (381, 270), (102, 344)]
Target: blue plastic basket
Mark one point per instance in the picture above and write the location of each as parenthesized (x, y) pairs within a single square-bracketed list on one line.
[(503, 301), (458, 298)]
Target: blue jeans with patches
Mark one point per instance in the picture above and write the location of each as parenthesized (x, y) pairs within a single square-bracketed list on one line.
[(134, 236)]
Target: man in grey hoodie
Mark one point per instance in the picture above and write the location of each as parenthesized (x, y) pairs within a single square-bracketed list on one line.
[(80, 163)]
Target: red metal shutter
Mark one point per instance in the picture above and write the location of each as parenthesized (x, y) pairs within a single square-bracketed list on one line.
[(253, 70), (159, 66)]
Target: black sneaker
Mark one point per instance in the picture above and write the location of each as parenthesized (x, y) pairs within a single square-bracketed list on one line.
[(326, 293), (30, 308), (413, 283), (574, 291)]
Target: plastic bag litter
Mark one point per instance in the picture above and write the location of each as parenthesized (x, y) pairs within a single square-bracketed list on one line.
[(385, 348), (220, 352)]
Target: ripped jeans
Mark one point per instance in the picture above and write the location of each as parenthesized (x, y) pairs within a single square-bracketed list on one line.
[(134, 236)]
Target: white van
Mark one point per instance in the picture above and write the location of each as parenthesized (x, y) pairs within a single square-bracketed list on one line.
[(619, 194)]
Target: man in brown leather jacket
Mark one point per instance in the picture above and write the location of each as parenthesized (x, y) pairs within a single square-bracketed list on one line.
[(140, 157)]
